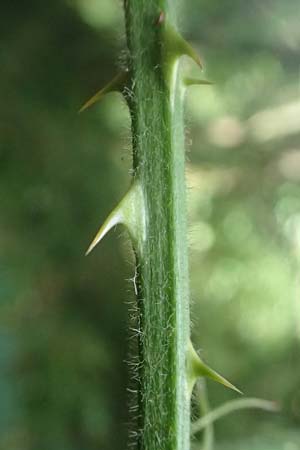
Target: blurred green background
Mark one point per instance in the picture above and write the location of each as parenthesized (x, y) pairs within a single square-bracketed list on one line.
[(63, 317)]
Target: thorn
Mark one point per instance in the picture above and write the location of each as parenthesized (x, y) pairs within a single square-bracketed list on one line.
[(116, 84), (195, 81), (177, 46), (161, 18), (208, 372), (129, 212), (197, 368), (113, 219)]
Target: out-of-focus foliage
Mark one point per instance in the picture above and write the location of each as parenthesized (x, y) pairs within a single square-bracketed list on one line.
[(244, 174), (63, 317)]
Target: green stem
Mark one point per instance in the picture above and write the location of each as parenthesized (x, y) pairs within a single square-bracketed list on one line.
[(232, 406), (208, 435), (163, 418)]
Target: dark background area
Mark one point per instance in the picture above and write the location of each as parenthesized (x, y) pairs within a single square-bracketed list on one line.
[(63, 317)]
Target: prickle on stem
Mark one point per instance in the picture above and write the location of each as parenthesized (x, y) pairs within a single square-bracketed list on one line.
[(117, 84), (130, 213), (197, 368)]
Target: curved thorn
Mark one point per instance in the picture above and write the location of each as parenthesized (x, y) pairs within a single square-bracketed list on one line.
[(178, 46), (210, 373), (161, 18), (196, 81), (116, 84), (113, 219), (197, 368), (129, 212)]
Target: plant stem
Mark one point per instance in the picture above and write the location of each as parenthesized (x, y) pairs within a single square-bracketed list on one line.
[(155, 103), (208, 435), (232, 406)]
